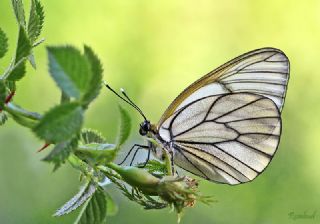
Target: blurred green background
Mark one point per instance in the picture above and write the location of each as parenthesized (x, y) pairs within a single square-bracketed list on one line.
[(154, 49)]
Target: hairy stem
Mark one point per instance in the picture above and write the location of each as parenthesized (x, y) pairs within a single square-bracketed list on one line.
[(18, 111), (23, 121)]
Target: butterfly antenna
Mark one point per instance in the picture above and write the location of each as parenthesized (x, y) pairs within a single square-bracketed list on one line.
[(127, 100), (132, 103)]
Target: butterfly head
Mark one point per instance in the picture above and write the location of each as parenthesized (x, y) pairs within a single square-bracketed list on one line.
[(145, 128)]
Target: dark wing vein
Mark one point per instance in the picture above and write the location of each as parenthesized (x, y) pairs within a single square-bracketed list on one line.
[(253, 81), (224, 162), (206, 161), (176, 147), (238, 108)]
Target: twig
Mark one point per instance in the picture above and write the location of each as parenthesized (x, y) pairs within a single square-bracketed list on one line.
[(18, 111)]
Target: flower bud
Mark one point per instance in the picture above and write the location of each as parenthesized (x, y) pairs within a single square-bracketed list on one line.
[(136, 177)]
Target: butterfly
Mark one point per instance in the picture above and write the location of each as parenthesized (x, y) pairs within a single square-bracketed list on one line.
[(226, 126)]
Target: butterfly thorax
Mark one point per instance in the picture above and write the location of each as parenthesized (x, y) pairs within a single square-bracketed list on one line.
[(155, 142), (158, 145)]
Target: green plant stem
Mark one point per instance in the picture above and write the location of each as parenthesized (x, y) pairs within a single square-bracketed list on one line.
[(23, 117), (24, 121), (167, 159), (78, 164), (20, 112)]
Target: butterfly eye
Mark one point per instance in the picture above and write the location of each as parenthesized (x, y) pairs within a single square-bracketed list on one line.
[(144, 128), (142, 131)]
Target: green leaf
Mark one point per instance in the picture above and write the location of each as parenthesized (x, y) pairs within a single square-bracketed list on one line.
[(11, 85), (112, 207), (61, 152), (60, 123), (70, 70), (125, 126), (23, 51), (19, 12), (18, 71), (64, 98), (36, 19), (91, 136), (95, 83), (95, 153), (3, 117), (3, 43), (32, 60), (81, 197), (24, 45), (94, 211)]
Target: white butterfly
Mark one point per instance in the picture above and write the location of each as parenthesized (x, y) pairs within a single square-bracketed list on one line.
[(226, 126)]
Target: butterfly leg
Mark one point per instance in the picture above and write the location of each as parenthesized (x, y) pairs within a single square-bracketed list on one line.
[(135, 153), (147, 160), (172, 162), (132, 148)]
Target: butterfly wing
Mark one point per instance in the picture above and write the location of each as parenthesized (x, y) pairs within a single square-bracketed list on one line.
[(264, 71), (245, 96), (228, 138)]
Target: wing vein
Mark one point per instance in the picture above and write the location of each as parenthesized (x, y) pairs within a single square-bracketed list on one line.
[(204, 160), (231, 111), (255, 149), (197, 168), (245, 119), (201, 150), (252, 81)]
